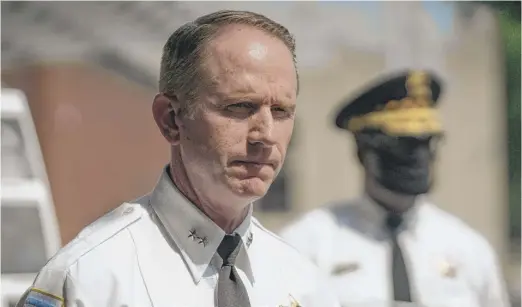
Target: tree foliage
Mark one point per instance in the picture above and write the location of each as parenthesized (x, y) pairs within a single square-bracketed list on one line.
[(509, 21)]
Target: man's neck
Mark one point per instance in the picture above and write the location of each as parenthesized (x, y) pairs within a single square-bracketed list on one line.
[(390, 200), (225, 217)]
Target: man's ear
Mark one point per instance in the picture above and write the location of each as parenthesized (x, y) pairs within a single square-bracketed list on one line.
[(164, 110)]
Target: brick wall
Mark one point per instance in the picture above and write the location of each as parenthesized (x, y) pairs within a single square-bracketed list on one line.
[(99, 140)]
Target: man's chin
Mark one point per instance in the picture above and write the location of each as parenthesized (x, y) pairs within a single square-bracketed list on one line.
[(250, 188)]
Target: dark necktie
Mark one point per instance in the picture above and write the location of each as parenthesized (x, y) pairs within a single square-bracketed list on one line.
[(401, 283), (231, 290)]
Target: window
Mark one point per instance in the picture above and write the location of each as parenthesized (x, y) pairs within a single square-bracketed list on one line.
[(23, 246), (14, 155)]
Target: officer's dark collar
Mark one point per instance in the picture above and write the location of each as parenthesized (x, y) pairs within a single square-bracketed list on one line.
[(376, 215)]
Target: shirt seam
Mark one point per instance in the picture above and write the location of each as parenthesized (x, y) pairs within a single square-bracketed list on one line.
[(139, 267), (94, 246)]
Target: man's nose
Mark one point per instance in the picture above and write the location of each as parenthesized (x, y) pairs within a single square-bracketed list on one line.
[(261, 130)]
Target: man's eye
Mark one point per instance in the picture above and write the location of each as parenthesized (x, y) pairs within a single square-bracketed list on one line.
[(240, 106), (282, 112)]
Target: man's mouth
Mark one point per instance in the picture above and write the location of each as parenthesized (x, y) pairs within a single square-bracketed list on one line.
[(256, 163)]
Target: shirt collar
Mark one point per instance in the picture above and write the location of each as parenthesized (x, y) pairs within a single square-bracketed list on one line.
[(376, 214), (196, 235)]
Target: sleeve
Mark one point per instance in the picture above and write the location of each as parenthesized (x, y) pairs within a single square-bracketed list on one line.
[(53, 288), (75, 296), (46, 291), (494, 292)]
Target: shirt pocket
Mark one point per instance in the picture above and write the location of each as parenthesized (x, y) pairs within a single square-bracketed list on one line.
[(451, 292), (351, 282)]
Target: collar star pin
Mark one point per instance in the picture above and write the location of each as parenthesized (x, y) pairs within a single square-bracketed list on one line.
[(447, 269), (192, 234), (249, 239), (203, 241)]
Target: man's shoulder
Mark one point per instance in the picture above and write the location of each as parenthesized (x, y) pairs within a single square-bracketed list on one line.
[(96, 234), (116, 219), (323, 218), (454, 228)]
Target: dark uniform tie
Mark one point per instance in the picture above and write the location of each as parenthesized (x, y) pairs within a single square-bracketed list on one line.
[(231, 290), (401, 283)]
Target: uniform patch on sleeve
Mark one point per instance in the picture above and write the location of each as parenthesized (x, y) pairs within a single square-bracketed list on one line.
[(39, 298)]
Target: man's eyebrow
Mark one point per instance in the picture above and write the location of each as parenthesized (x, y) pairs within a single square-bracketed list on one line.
[(287, 103)]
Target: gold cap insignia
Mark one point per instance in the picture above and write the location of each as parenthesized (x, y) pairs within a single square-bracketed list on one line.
[(418, 87), (412, 115)]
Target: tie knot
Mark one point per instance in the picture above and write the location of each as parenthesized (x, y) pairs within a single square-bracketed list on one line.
[(393, 221), (229, 248)]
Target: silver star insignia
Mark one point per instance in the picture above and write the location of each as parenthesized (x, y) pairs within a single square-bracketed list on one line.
[(192, 234), (203, 241), (250, 239)]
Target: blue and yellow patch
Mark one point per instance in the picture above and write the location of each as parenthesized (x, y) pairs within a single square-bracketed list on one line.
[(39, 298)]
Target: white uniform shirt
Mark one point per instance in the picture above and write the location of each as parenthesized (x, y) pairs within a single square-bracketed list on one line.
[(161, 251), (449, 264)]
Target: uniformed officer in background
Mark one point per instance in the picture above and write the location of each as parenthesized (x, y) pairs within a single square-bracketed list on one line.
[(392, 243), (228, 88)]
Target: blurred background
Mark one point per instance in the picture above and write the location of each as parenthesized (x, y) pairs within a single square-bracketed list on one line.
[(78, 137)]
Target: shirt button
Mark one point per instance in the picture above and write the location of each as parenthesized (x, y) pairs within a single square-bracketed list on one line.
[(128, 210)]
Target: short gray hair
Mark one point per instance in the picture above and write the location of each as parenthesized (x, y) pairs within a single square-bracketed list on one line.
[(180, 72)]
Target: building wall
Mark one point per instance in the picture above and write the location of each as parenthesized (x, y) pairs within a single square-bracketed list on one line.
[(99, 141)]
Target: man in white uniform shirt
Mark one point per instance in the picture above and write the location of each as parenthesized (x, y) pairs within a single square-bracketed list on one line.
[(392, 244), (228, 87)]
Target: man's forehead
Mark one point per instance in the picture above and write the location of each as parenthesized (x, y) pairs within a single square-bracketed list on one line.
[(257, 50), (243, 45), (242, 65), (254, 86)]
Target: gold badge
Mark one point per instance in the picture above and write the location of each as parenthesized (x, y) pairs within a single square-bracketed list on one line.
[(447, 269), (345, 268), (418, 87), (293, 302)]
